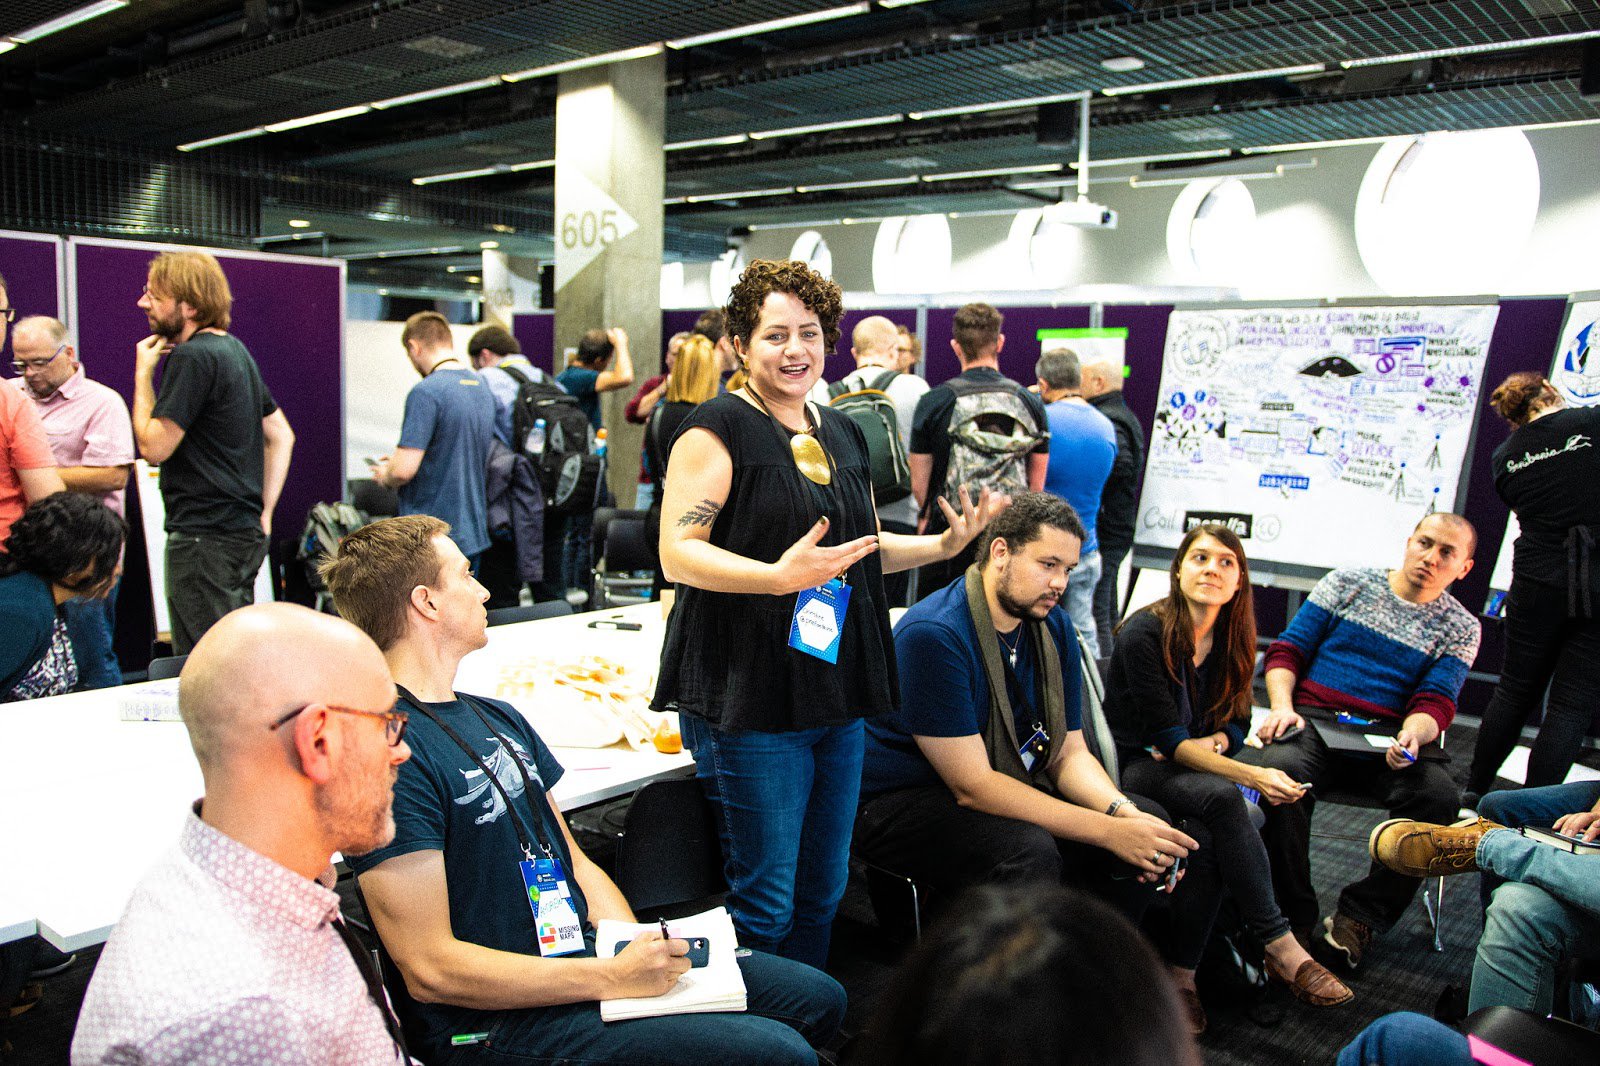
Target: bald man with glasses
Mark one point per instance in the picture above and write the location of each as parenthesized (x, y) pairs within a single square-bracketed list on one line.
[(232, 948)]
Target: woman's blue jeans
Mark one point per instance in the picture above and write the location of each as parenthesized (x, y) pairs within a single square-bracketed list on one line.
[(786, 804)]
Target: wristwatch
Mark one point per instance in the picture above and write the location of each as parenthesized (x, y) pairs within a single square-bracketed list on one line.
[(1117, 805)]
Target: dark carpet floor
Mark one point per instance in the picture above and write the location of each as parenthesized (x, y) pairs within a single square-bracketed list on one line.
[(1403, 972)]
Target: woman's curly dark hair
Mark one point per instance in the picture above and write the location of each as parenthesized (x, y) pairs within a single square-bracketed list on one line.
[(767, 276), (61, 537)]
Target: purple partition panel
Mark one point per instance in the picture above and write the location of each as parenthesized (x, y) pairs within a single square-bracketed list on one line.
[(939, 363), (840, 362), (288, 312), (1021, 350), (32, 279), (536, 332)]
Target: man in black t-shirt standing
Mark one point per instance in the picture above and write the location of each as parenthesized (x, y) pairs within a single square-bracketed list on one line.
[(979, 398), (221, 442)]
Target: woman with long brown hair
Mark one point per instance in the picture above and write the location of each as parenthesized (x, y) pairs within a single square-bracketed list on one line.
[(1178, 702)]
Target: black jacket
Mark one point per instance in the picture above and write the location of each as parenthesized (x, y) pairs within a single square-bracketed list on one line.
[(1119, 501)]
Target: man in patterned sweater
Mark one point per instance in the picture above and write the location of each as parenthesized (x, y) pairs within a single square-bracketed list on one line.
[(1391, 646)]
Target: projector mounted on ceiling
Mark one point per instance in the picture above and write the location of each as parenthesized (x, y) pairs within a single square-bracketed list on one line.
[(1081, 212)]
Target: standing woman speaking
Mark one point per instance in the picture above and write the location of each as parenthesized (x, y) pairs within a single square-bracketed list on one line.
[(778, 643), (1546, 472)]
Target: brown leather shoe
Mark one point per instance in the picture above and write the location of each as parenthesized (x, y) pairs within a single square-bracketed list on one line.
[(1422, 849), (1193, 1010), (1313, 984)]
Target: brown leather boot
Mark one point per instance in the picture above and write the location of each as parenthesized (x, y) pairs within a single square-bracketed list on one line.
[(1422, 849)]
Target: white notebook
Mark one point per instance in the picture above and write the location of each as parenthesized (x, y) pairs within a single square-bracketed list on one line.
[(717, 986)]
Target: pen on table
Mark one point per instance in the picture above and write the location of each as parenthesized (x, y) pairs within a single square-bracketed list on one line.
[(1405, 753)]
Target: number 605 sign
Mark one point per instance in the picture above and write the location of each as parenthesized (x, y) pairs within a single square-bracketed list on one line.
[(589, 228)]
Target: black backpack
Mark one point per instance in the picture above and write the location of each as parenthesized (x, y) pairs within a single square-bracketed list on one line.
[(569, 471), (870, 407), (326, 525)]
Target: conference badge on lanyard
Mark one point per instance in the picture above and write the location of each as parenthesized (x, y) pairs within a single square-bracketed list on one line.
[(554, 916), (819, 620)]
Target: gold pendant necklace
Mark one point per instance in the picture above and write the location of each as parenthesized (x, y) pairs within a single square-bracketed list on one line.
[(810, 459), (809, 456)]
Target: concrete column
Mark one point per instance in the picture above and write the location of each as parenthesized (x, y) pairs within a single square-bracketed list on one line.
[(610, 127)]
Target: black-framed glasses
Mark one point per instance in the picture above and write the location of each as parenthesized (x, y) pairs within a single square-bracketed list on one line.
[(37, 364), (394, 722), (8, 313)]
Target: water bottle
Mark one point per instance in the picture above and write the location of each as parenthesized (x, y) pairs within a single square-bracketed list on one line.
[(600, 443), (534, 445)]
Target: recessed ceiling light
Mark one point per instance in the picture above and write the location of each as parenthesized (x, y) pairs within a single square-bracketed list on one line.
[(488, 244), (474, 279), (1122, 64), (299, 223)]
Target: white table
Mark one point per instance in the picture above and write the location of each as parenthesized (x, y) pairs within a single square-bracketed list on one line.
[(16, 920), (96, 800)]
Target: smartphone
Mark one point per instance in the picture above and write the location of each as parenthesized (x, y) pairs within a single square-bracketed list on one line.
[(1290, 733), (699, 950), (1173, 872)]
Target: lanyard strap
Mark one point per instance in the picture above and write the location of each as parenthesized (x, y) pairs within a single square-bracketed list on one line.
[(374, 982), (526, 836), (815, 433)]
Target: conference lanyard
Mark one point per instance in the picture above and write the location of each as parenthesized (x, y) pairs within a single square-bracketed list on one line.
[(526, 836)]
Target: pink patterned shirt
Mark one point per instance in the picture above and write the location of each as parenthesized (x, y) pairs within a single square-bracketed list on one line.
[(223, 956), (88, 425)]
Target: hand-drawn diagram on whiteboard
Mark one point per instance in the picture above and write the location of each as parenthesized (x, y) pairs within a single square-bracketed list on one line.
[(1320, 434)]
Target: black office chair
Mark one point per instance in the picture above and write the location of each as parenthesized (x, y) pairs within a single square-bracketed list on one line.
[(669, 857), (375, 500), (1432, 888), (1532, 1038), (405, 1007), (171, 666), (530, 612), (624, 550)]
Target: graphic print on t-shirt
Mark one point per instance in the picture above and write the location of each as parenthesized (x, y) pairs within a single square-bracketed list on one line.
[(483, 793)]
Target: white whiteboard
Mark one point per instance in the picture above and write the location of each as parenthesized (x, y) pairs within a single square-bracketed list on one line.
[(1575, 372), (153, 514), (1320, 434), (377, 376)]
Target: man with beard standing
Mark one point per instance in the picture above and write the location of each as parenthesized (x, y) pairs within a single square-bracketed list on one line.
[(222, 443), (232, 948)]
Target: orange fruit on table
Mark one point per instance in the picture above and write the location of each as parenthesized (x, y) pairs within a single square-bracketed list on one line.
[(667, 740)]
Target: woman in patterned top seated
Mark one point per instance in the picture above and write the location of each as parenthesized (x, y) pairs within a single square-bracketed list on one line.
[(65, 546)]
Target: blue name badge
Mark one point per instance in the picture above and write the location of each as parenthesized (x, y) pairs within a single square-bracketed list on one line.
[(818, 621), (554, 917)]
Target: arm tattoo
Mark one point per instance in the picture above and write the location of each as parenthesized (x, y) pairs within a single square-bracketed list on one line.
[(701, 514)]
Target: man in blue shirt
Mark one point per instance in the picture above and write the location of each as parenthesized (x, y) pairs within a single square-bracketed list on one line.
[(964, 784), (484, 981), (591, 372), (439, 465), (1083, 446)]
